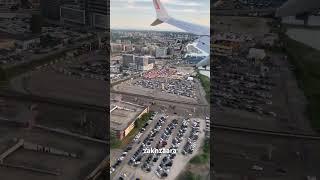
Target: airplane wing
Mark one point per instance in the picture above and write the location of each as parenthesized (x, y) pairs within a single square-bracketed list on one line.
[(203, 43), (162, 16), (296, 7), (204, 62)]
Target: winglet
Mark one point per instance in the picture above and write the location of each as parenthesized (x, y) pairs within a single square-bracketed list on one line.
[(162, 14), (156, 22)]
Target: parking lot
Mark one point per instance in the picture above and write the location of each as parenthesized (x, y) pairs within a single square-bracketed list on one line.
[(253, 90), (130, 87), (179, 138), (181, 87)]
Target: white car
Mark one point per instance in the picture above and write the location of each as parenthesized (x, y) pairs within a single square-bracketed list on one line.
[(111, 170), (257, 168)]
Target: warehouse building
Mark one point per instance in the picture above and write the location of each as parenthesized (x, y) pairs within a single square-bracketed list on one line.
[(123, 116)]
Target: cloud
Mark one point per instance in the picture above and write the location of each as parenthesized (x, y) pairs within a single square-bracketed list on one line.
[(140, 13), (181, 3)]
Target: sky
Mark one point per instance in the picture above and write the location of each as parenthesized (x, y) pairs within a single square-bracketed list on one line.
[(139, 14)]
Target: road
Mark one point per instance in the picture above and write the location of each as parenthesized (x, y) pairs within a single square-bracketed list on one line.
[(53, 101)]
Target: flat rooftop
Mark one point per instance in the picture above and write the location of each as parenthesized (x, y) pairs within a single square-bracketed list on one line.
[(123, 113)]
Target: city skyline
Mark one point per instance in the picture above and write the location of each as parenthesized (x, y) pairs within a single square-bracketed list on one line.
[(128, 14)]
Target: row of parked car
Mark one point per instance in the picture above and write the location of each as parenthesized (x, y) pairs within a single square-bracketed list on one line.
[(153, 158), (192, 140), (167, 161)]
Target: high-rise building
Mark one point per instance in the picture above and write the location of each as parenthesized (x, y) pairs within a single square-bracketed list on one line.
[(97, 13), (50, 9), (127, 59), (72, 14), (161, 52), (144, 63), (90, 13)]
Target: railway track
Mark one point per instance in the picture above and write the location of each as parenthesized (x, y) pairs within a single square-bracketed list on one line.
[(265, 132), (159, 99)]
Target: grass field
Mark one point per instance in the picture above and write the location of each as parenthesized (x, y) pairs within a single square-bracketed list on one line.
[(205, 81), (189, 176), (203, 157), (307, 70)]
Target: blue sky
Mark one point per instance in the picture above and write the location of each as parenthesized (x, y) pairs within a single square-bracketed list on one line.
[(139, 14)]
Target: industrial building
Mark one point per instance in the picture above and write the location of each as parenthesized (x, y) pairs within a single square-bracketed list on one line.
[(123, 116)]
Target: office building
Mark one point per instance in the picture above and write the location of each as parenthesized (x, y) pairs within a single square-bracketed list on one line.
[(97, 13), (128, 59), (143, 63), (72, 14), (50, 9)]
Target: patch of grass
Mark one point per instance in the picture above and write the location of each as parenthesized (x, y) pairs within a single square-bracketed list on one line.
[(139, 123), (189, 176), (204, 156), (205, 82), (200, 159), (114, 141), (307, 70), (206, 146)]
